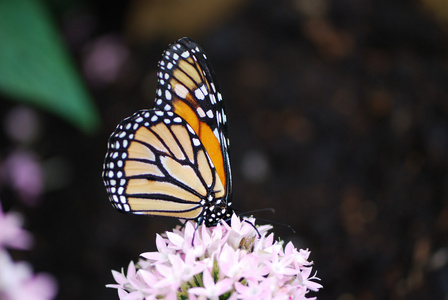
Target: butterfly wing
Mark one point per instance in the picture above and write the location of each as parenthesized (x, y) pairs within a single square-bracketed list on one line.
[(156, 165), (173, 160), (188, 87)]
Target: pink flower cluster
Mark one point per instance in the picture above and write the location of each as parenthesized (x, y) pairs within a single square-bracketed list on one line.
[(221, 262), (17, 281)]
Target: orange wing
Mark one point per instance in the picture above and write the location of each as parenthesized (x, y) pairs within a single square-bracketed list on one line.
[(187, 86)]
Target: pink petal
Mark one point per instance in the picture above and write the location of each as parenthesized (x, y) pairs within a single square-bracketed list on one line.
[(136, 295), (148, 277), (198, 291), (175, 239), (122, 293), (207, 279), (224, 286), (131, 270), (154, 256), (160, 243), (119, 277)]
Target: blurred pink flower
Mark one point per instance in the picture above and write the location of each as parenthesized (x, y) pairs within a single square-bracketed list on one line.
[(17, 281), (221, 262), (104, 60), (23, 172), (11, 233)]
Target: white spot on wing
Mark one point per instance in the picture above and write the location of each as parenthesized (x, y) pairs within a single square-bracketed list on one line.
[(168, 95), (216, 133), (204, 90), (212, 99), (120, 190), (198, 93), (180, 91), (201, 112), (210, 113), (190, 129)]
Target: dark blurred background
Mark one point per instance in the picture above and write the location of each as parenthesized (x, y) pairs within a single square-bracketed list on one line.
[(338, 115)]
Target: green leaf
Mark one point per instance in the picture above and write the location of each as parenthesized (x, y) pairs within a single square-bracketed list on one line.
[(35, 67)]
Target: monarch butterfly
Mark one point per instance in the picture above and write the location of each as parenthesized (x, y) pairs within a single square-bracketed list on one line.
[(173, 160)]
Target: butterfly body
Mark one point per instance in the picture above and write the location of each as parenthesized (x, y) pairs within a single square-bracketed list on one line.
[(173, 160)]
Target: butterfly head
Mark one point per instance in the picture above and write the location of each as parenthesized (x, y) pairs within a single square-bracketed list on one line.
[(215, 212)]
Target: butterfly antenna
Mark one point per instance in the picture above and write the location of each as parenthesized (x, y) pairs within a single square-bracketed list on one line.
[(199, 221), (194, 234), (183, 224), (278, 223), (258, 232), (272, 210)]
